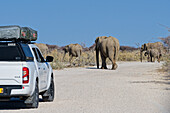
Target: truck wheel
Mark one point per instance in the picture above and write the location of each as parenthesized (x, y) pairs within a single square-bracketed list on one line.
[(35, 98), (48, 96)]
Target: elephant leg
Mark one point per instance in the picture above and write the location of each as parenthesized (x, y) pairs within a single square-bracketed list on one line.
[(149, 59), (113, 57), (114, 65), (159, 60), (79, 58), (159, 57), (63, 57), (103, 61), (70, 59), (153, 59)]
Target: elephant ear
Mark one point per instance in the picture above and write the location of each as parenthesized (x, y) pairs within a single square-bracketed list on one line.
[(66, 48), (145, 48), (97, 39)]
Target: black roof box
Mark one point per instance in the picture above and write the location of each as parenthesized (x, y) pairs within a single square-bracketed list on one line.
[(9, 33)]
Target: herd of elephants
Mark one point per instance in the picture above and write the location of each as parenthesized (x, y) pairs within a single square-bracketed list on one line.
[(109, 48)]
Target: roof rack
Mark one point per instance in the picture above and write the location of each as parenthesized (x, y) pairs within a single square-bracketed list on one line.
[(17, 33)]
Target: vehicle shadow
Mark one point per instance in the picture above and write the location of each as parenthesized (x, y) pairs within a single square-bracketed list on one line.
[(14, 105)]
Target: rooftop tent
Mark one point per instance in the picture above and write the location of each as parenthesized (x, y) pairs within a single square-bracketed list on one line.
[(28, 34), (8, 33)]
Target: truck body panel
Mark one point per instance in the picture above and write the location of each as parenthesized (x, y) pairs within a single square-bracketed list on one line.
[(11, 73)]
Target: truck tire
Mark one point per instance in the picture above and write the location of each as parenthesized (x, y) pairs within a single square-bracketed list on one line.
[(48, 96), (35, 98)]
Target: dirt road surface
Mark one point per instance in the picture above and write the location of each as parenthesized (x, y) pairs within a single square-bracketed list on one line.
[(133, 88)]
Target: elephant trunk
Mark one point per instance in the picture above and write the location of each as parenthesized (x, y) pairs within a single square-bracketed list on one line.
[(141, 55), (64, 55), (97, 57)]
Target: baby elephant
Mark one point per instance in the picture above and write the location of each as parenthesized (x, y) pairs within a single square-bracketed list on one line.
[(152, 54)]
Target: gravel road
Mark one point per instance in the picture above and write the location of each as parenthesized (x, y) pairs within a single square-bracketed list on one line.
[(133, 88)]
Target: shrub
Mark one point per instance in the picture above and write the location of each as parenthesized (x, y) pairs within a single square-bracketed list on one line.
[(56, 64), (166, 64), (130, 55)]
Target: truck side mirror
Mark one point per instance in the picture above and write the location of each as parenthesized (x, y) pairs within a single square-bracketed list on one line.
[(49, 59)]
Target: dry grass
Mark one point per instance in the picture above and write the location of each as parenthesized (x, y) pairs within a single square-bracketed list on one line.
[(166, 64), (56, 64), (129, 56), (88, 58)]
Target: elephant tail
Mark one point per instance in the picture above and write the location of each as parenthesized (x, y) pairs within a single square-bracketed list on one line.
[(80, 52)]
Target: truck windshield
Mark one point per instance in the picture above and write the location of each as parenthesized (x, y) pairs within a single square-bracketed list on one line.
[(10, 52)]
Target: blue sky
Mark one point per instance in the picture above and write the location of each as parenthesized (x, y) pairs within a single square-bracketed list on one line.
[(62, 22)]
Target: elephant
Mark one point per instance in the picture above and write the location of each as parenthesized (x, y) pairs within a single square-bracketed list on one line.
[(109, 48), (153, 53), (146, 46), (74, 50)]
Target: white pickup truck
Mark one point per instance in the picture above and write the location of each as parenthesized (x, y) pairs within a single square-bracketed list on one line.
[(24, 73)]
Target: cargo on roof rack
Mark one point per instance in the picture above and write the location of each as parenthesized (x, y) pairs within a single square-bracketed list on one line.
[(10, 33)]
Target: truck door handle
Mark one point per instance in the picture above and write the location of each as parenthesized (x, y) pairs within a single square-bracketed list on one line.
[(39, 68), (43, 68)]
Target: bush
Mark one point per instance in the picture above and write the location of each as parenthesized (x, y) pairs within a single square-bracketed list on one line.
[(166, 64), (56, 64), (88, 57), (130, 56)]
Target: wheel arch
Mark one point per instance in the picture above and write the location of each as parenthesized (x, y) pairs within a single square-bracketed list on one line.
[(51, 75)]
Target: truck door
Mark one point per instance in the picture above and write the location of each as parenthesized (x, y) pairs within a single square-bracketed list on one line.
[(41, 68), (44, 68)]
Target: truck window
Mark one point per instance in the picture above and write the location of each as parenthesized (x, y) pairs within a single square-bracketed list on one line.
[(35, 53), (10, 52), (40, 55), (27, 52)]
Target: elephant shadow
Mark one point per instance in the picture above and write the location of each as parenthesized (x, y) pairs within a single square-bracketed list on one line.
[(91, 68), (95, 68)]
